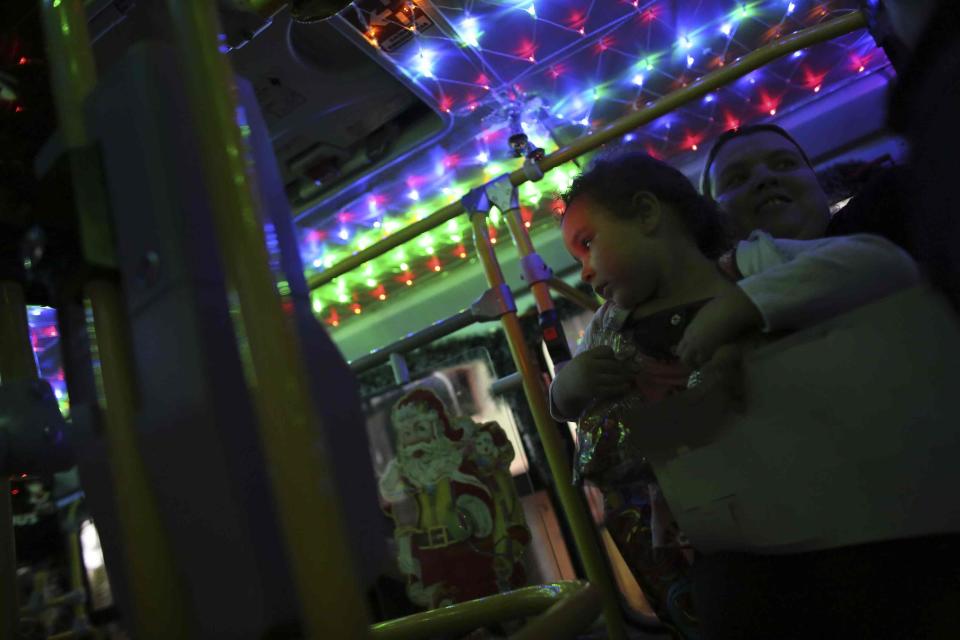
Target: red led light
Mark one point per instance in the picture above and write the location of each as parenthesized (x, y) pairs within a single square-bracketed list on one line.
[(769, 103), (691, 140), (812, 80), (603, 44), (527, 50), (451, 160), (731, 121), (772, 33)]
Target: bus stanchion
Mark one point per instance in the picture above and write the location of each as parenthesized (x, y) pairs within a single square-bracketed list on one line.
[(16, 363), (584, 534)]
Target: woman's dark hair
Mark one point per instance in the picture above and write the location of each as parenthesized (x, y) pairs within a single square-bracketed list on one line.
[(727, 136), (612, 181)]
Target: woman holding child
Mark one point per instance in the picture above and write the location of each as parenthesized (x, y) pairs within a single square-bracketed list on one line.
[(647, 242)]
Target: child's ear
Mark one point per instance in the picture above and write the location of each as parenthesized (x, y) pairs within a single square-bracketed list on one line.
[(647, 208)]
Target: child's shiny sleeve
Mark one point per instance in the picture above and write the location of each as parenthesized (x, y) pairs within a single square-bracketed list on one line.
[(798, 283), (585, 343)]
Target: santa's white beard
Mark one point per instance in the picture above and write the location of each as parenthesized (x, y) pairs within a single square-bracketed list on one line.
[(426, 463)]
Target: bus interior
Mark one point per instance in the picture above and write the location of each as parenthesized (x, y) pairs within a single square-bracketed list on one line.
[(248, 243)]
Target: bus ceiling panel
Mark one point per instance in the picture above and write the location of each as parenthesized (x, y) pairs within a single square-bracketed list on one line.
[(333, 112), (558, 70)]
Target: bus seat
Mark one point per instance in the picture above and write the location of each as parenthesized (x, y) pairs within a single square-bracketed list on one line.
[(851, 434)]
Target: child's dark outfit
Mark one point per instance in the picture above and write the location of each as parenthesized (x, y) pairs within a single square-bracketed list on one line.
[(637, 516), (793, 284)]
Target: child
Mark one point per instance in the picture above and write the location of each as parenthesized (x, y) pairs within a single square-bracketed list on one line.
[(647, 242)]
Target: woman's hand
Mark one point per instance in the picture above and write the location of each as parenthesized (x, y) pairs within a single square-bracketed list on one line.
[(594, 374), (720, 321)]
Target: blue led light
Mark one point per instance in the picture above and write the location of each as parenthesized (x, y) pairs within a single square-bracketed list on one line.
[(469, 31), (424, 62)]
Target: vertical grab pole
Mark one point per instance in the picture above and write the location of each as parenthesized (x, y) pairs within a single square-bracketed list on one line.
[(329, 594), (535, 272), (16, 363), (159, 603), (584, 536), (159, 608)]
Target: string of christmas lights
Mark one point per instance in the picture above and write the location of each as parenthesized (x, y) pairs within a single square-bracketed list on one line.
[(584, 63)]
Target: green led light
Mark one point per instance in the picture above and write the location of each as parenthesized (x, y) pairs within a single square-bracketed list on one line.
[(456, 238), (493, 169), (561, 179), (495, 216), (404, 266), (530, 191), (317, 305), (743, 12), (371, 283)]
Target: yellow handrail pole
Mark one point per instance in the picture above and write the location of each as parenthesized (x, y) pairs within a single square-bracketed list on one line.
[(160, 609), (584, 534), (711, 82), (156, 593), (329, 594), (16, 363), (458, 619), (392, 241), (752, 61), (566, 619), (521, 238), (574, 295)]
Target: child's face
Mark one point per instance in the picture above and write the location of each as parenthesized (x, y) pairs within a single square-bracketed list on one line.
[(614, 254), (763, 182)]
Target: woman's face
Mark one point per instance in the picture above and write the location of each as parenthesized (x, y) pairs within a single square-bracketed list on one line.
[(761, 181)]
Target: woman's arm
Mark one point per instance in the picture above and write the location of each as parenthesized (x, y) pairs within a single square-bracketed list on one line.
[(796, 283), (793, 284)]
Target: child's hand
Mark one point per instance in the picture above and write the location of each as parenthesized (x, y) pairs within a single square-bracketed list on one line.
[(720, 321), (594, 374)]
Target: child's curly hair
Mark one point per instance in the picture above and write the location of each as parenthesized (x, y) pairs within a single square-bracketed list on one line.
[(612, 181)]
